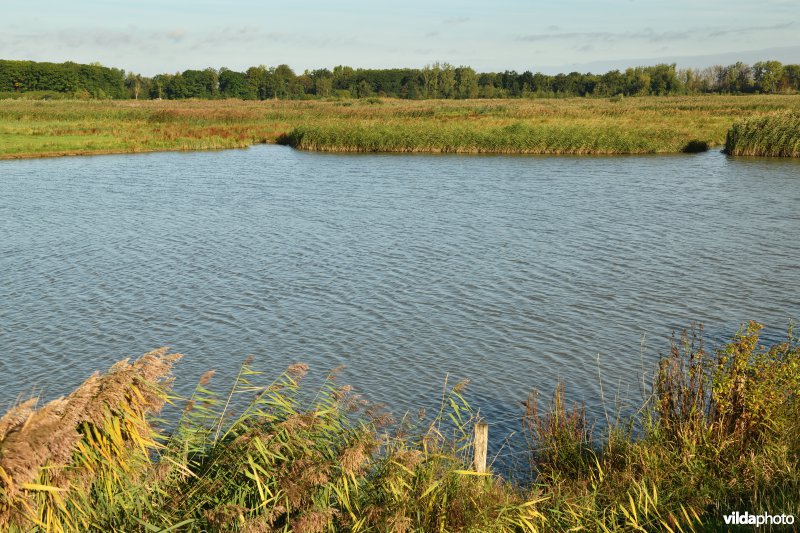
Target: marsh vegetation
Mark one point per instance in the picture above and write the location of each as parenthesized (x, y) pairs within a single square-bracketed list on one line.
[(773, 135), (719, 431), (572, 126)]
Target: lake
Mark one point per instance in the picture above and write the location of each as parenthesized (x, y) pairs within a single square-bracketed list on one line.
[(513, 272)]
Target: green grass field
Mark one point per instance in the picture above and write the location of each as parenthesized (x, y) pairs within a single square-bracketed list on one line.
[(557, 126)]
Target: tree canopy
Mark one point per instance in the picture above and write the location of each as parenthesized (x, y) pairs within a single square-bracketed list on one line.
[(437, 80)]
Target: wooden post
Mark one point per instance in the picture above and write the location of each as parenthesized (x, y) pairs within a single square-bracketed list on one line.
[(481, 444)]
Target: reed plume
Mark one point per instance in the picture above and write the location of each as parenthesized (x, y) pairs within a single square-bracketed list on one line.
[(34, 439)]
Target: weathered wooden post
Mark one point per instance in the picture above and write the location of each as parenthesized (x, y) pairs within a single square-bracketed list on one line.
[(481, 445)]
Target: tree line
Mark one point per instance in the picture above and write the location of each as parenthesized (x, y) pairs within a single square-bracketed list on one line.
[(438, 80), (88, 81)]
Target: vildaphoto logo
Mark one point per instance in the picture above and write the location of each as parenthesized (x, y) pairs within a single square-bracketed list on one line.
[(746, 519)]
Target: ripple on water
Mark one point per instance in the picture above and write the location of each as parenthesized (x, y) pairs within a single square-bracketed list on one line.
[(513, 272)]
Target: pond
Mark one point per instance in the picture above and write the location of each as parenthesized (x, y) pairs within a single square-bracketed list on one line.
[(512, 272)]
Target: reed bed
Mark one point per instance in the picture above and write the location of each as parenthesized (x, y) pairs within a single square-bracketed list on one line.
[(572, 125), (95, 461), (772, 136), (515, 138), (720, 432)]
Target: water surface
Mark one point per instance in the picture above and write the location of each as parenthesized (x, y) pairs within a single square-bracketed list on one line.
[(513, 272)]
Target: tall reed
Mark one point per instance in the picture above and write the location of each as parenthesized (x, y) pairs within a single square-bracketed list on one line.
[(773, 135), (282, 463), (720, 432)]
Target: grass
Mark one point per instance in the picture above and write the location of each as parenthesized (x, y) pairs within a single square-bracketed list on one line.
[(720, 432), (564, 126), (776, 135)]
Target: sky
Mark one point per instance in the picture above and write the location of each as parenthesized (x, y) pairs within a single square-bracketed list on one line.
[(152, 36)]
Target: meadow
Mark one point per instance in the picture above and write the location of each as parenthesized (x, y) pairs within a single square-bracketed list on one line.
[(720, 432), (640, 125)]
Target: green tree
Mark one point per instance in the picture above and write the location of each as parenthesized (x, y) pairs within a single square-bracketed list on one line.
[(234, 84), (791, 77), (768, 76), (285, 83), (260, 81), (736, 78), (343, 78), (466, 82), (663, 79), (447, 81), (364, 89)]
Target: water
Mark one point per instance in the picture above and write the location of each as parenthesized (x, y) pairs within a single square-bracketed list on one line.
[(513, 272)]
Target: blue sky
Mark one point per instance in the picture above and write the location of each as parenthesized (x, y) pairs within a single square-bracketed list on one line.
[(150, 36)]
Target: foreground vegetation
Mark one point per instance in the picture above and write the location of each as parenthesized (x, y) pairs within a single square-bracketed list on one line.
[(721, 432), (773, 135), (574, 125)]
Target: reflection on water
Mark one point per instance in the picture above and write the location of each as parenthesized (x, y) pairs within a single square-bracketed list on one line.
[(513, 272)]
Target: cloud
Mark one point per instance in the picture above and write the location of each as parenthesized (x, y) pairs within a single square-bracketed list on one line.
[(432, 34), (648, 34), (245, 35), (456, 20), (175, 39), (750, 29), (176, 35)]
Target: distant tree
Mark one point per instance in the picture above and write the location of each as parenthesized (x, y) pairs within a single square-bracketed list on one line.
[(234, 84), (133, 82), (410, 85), (157, 89), (199, 84), (466, 82), (486, 85), (541, 84), (447, 81), (663, 79), (429, 80), (343, 78), (305, 83), (562, 84), (509, 82), (768, 76), (260, 82), (691, 81), (323, 86), (364, 89), (736, 78), (321, 82), (791, 77), (285, 83)]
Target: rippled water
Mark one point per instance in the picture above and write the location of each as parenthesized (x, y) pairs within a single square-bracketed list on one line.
[(513, 272)]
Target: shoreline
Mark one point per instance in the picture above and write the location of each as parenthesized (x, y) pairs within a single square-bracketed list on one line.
[(72, 153), (90, 153)]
